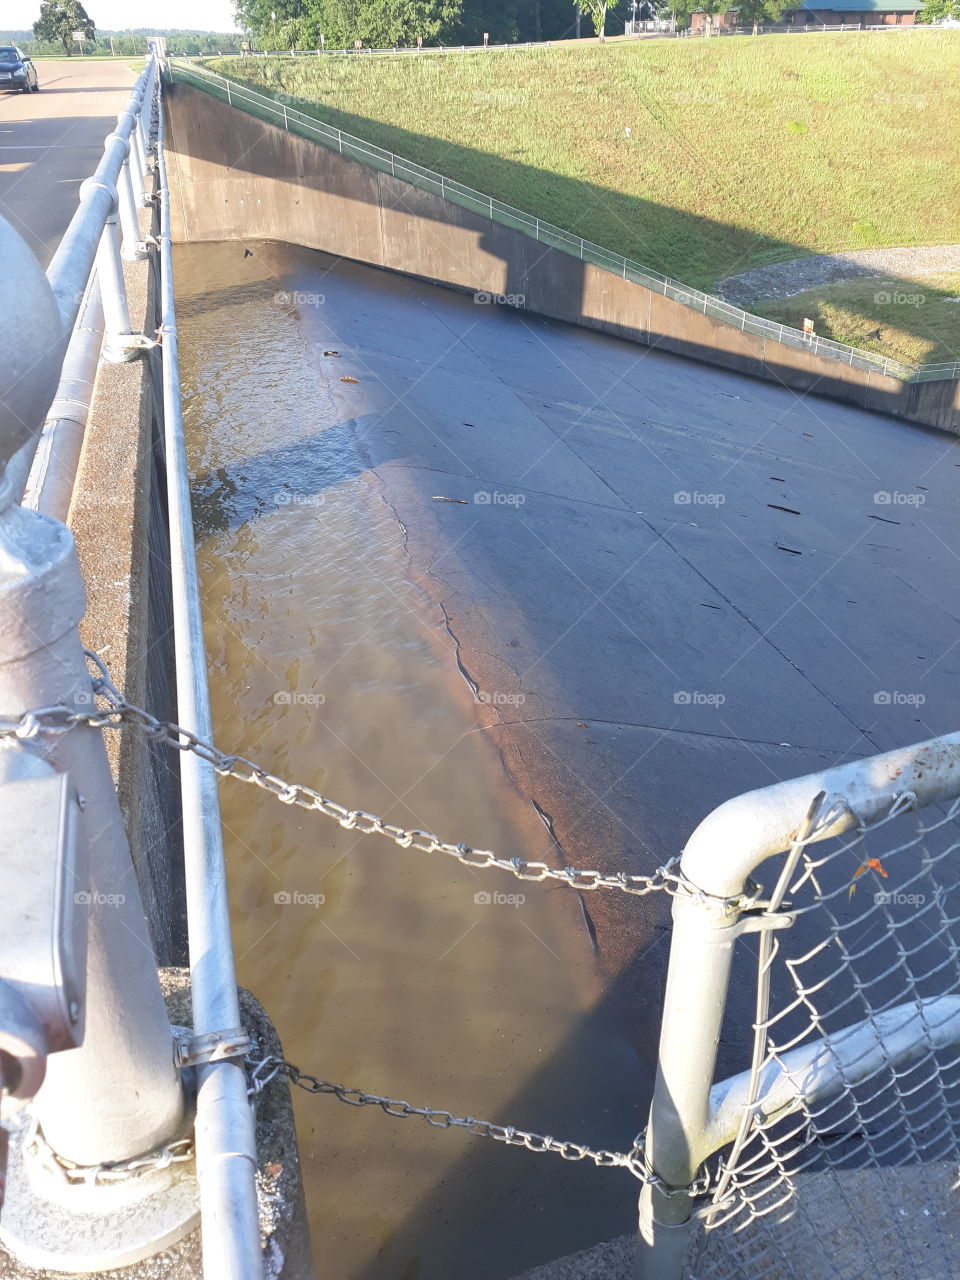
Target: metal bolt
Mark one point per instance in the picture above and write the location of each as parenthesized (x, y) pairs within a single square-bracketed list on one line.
[(81, 803)]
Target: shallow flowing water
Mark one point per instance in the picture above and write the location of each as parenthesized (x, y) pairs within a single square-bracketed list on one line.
[(395, 971)]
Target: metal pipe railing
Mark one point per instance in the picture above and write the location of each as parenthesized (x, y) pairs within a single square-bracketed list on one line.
[(72, 263), (49, 487), (132, 1048), (225, 1134)]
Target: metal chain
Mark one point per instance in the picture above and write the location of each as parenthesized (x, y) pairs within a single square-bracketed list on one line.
[(264, 1070), (36, 1145), (61, 719)]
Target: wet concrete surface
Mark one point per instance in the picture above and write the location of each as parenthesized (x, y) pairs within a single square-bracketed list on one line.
[(635, 586)]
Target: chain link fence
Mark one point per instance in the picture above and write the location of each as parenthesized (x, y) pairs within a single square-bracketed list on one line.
[(868, 975), (835, 1152)]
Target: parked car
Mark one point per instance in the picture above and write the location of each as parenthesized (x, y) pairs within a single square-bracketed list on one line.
[(17, 72)]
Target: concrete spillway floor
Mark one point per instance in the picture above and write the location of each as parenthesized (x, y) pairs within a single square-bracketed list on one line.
[(660, 584)]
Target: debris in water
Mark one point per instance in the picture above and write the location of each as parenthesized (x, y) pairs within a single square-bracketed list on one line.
[(439, 498), (793, 551), (331, 353), (346, 378), (248, 253), (789, 510), (582, 724)]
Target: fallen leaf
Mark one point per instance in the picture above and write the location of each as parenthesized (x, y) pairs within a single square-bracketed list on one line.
[(347, 378), (331, 353), (273, 1170), (582, 725), (871, 864)]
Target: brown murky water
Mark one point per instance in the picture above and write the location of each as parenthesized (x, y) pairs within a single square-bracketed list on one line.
[(386, 969)]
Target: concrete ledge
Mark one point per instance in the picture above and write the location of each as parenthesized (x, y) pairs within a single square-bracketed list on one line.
[(118, 519), (237, 178)]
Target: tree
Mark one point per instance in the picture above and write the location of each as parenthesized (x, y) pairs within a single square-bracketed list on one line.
[(597, 12), (754, 12), (938, 10), (59, 19)]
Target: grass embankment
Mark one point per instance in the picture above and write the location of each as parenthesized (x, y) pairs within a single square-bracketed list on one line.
[(913, 320), (740, 152)]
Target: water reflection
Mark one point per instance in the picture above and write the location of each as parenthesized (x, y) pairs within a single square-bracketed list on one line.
[(400, 972)]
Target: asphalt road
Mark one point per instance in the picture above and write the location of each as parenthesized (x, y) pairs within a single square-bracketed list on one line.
[(51, 141)]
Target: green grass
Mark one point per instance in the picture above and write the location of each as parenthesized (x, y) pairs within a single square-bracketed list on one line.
[(911, 320), (741, 151)]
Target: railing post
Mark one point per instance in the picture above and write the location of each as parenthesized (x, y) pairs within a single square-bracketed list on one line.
[(133, 249), (701, 954), (113, 293)]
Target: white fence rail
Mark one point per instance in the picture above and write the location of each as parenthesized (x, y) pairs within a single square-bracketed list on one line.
[(280, 111)]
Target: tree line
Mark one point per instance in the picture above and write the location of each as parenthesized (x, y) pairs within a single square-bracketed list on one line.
[(299, 24)]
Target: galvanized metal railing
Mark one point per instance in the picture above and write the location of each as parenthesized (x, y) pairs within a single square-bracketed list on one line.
[(116, 1110), (280, 112)]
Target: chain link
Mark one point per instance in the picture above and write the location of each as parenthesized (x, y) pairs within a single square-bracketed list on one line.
[(263, 1071), (36, 1145), (118, 712)]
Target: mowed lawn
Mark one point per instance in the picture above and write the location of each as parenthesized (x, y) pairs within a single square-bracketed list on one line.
[(699, 158), (913, 320)]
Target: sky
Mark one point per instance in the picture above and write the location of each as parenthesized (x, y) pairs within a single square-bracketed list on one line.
[(119, 15)]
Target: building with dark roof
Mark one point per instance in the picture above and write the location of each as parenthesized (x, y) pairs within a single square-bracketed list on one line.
[(833, 13)]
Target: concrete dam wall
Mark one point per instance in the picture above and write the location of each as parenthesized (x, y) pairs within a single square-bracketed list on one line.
[(238, 178)]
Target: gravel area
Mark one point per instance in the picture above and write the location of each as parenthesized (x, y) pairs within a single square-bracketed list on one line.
[(785, 279)]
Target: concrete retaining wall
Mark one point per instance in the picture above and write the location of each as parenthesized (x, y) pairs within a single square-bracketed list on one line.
[(236, 178)]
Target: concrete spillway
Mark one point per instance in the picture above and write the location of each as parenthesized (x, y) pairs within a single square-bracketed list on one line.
[(557, 593)]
